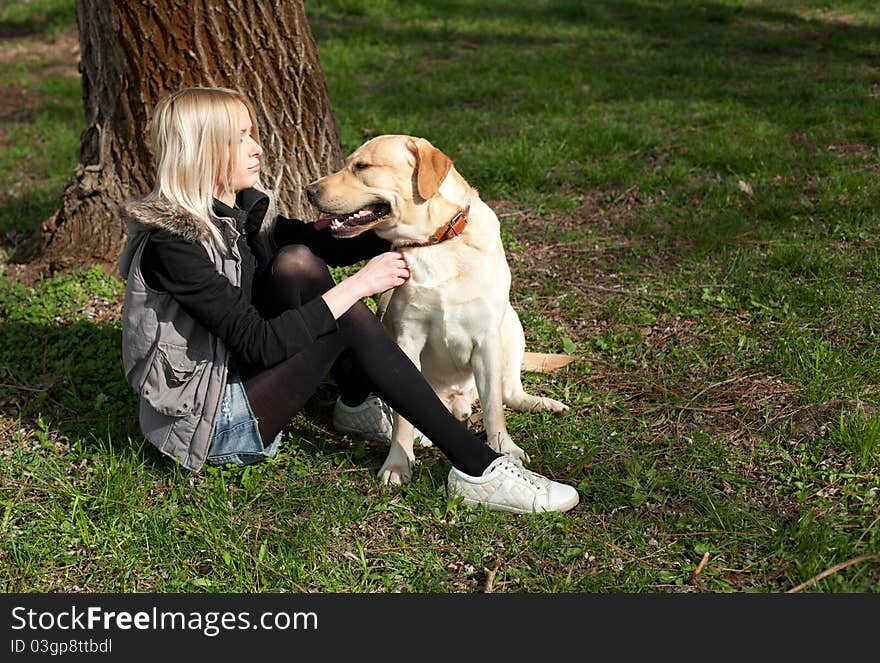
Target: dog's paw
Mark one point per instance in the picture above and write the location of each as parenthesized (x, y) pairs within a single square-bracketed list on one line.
[(503, 444), (394, 473), (520, 454), (523, 402), (461, 406), (556, 407)]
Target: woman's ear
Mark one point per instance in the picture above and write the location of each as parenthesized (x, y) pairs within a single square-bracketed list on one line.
[(432, 166)]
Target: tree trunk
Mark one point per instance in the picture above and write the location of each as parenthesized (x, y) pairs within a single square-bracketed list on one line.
[(133, 53)]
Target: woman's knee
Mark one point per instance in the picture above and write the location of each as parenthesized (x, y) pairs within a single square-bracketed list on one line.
[(295, 266), (297, 276), (296, 260)]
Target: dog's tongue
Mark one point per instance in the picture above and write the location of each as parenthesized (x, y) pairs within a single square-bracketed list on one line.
[(324, 222)]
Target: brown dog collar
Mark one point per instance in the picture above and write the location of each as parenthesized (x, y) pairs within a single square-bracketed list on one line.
[(453, 228)]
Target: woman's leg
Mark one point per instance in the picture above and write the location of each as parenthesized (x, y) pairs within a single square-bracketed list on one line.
[(297, 276), (278, 393)]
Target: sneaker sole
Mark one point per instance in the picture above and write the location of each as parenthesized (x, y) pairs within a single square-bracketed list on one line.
[(566, 506)]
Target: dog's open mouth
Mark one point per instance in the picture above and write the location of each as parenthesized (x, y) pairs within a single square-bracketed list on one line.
[(346, 224)]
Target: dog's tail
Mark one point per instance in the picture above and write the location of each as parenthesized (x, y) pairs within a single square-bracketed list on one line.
[(540, 362)]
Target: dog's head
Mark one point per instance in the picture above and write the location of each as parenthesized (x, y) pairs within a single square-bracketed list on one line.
[(390, 183)]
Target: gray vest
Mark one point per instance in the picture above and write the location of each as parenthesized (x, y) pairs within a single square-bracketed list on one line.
[(176, 366)]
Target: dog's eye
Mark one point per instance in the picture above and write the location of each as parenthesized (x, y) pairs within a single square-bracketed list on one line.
[(360, 165)]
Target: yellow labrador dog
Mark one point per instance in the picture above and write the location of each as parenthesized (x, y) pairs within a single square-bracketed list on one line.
[(453, 316)]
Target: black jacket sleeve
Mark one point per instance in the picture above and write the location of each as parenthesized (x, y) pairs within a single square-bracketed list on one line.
[(184, 270), (335, 251)]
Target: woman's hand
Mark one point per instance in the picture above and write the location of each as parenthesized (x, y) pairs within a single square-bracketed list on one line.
[(385, 271)]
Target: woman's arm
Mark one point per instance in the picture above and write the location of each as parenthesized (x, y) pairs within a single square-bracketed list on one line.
[(383, 272), (184, 270), (334, 251)]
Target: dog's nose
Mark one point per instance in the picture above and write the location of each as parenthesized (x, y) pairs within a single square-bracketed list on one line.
[(313, 190)]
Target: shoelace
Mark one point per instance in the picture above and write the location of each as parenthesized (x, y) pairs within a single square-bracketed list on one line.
[(538, 481)]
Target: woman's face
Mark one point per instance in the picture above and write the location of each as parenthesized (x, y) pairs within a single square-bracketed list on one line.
[(247, 171)]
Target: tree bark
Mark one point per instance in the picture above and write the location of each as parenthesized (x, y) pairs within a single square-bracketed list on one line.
[(133, 54)]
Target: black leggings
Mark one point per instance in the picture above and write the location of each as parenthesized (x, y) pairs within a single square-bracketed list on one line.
[(363, 358)]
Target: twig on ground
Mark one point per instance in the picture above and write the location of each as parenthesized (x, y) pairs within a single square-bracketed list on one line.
[(699, 569), (621, 290), (868, 529), (22, 387), (834, 569)]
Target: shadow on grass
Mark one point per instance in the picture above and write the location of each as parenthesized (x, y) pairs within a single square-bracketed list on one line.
[(32, 20), (765, 59), (22, 214), (70, 377)]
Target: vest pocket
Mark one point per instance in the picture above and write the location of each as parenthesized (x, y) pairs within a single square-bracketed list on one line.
[(171, 383)]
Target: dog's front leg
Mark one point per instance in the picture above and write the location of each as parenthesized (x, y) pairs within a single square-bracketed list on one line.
[(397, 468), (488, 366)]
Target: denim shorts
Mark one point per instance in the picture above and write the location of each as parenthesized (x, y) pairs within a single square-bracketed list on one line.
[(236, 439)]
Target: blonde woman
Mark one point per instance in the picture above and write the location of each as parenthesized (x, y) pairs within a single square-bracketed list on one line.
[(232, 318)]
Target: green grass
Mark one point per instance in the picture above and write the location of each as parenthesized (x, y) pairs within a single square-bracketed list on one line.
[(40, 147), (40, 17), (689, 196)]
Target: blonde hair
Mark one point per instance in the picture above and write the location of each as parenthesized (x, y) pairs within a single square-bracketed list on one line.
[(195, 134)]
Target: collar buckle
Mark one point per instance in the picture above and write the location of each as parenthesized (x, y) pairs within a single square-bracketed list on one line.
[(453, 228)]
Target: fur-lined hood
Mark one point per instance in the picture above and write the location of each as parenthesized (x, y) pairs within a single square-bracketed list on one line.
[(165, 215), (143, 216)]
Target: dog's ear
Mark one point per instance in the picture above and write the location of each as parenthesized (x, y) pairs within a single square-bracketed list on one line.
[(432, 167)]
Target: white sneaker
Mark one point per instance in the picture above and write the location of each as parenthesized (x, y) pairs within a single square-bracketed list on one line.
[(508, 486), (370, 420)]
